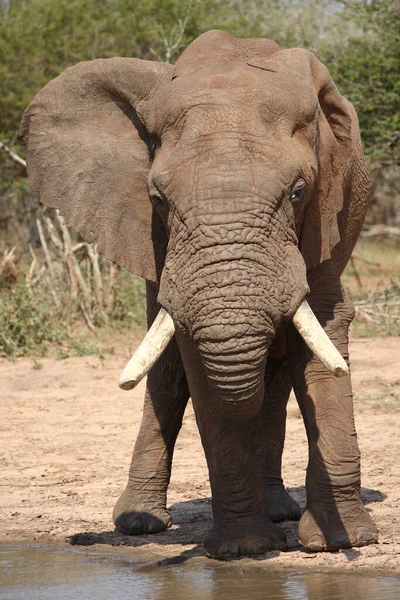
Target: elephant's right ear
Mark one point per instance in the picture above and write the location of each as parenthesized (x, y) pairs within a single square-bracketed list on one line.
[(89, 154)]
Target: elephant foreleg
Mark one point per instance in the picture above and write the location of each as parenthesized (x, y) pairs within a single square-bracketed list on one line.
[(268, 433), (241, 524), (142, 506), (334, 516)]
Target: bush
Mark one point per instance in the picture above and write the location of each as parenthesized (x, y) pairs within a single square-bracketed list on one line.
[(40, 305), (129, 299), (25, 323)]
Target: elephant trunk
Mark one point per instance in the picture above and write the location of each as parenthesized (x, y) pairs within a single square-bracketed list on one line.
[(235, 378)]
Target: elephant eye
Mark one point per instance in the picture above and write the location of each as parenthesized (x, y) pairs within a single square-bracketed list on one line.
[(297, 192), (156, 200)]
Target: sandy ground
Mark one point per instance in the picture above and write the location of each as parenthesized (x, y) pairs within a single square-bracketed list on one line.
[(67, 434)]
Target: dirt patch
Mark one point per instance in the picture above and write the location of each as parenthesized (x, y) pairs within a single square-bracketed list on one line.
[(67, 434)]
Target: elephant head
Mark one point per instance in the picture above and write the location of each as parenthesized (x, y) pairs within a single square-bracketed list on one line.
[(221, 178)]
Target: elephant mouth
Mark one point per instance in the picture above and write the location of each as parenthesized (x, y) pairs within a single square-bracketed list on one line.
[(163, 329)]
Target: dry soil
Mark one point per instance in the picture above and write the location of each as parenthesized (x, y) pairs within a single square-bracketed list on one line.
[(67, 434)]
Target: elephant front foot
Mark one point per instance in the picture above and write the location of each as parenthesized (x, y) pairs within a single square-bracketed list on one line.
[(330, 527), (280, 506), (224, 543), (137, 517)]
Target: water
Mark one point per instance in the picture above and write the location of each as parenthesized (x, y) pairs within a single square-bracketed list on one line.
[(32, 573)]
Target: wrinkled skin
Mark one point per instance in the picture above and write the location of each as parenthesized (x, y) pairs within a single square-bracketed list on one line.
[(253, 165)]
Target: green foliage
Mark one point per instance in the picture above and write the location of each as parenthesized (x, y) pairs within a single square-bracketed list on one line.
[(377, 313), (24, 323), (372, 281), (290, 23), (41, 38), (359, 43), (130, 299), (390, 400), (357, 39), (30, 320), (366, 67)]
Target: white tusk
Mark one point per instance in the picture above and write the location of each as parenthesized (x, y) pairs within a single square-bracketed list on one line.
[(149, 351), (316, 339)]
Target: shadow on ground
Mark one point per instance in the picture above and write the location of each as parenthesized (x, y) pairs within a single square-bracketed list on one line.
[(191, 522)]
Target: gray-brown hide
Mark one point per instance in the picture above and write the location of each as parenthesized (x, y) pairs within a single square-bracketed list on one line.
[(235, 183)]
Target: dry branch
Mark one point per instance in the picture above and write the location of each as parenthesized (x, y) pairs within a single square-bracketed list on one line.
[(109, 296), (69, 259), (381, 306), (38, 277), (170, 44), (53, 234), (86, 317), (50, 285), (91, 282), (8, 269), (98, 282), (29, 275), (45, 248), (79, 246), (356, 273), (8, 262), (381, 230), (365, 261), (12, 154)]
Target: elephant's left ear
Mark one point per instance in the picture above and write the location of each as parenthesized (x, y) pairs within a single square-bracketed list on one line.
[(89, 154), (341, 162), (338, 144)]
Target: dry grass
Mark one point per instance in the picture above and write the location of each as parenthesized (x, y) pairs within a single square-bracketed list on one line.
[(372, 280)]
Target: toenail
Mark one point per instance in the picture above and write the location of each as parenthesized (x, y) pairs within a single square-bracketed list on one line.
[(317, 543), (295, 511), (365, 535), (277, 514), (339, 540), (281, 544), (135, 527)]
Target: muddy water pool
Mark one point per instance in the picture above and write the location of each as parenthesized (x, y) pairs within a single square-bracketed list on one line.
[(44, 573)]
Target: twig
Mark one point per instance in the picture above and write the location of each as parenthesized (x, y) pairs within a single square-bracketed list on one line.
[(356, 274), (69, 258), (365, 304), (29, 275), (13, 154), (384, 32), (86, 317), (38, 277), (381, 230), (47, 256), (368, 317), (155, 54), (381, 306), (169, 45), (79, 246), (109, 295), (49, 282), (365, 260), (98, 283), (53, 234), (45, 247), (8, 261), (7, 255)]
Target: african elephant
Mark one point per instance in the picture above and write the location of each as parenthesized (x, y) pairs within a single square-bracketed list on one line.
[(234, 183)]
